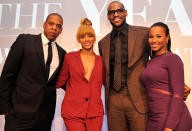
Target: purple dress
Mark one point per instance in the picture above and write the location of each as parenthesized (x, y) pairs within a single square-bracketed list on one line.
[(164, 81)]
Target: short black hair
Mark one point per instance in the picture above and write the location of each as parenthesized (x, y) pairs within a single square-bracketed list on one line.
[(116, 2), (57, 14)]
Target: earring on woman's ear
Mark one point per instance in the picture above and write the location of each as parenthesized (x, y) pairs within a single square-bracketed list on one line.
[(151, 52)]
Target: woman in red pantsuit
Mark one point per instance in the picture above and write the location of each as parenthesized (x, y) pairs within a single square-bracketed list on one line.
[(82, 72)]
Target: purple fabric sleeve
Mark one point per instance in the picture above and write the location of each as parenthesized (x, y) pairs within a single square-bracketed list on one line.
[(176, 78)]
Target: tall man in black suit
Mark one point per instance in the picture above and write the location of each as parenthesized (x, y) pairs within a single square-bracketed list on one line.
[(28, 79)]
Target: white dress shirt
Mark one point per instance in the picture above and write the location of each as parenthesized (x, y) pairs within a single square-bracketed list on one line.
[(55, 59)]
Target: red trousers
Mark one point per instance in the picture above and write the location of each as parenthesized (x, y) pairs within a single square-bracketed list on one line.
[(88, 124)]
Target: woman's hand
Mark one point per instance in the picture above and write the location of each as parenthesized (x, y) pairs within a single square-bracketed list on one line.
[(168, 129)]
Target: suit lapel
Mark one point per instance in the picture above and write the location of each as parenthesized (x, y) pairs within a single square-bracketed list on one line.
[(107, 51), (131, 43), (39, 49), (80, 64), (60, 55)]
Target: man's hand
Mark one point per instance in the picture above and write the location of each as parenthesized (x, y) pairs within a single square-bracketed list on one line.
[(186, 92), (6, 114)]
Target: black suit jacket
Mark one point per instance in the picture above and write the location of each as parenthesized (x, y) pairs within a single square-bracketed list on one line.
[(24, 87)]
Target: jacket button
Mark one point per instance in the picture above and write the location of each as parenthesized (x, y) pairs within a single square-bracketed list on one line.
[(86, 99)]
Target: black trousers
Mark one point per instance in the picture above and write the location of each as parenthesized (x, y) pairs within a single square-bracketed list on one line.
[(42, 121), (39, 123)]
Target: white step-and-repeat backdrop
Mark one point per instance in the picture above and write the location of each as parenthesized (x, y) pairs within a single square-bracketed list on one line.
[(27, 16)]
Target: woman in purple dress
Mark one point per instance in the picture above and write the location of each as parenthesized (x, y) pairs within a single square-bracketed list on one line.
[(164, 81)]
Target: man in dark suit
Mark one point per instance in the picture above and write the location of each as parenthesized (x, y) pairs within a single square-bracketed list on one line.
[(28, 79), (124, 52)]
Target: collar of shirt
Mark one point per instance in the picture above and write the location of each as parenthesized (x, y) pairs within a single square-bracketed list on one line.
[(45, 41), (123, 30)]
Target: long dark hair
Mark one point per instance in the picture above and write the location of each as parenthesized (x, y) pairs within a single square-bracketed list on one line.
[(163, 25)]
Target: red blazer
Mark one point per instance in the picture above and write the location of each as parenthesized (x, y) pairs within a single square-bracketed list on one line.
[(82, 98)]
